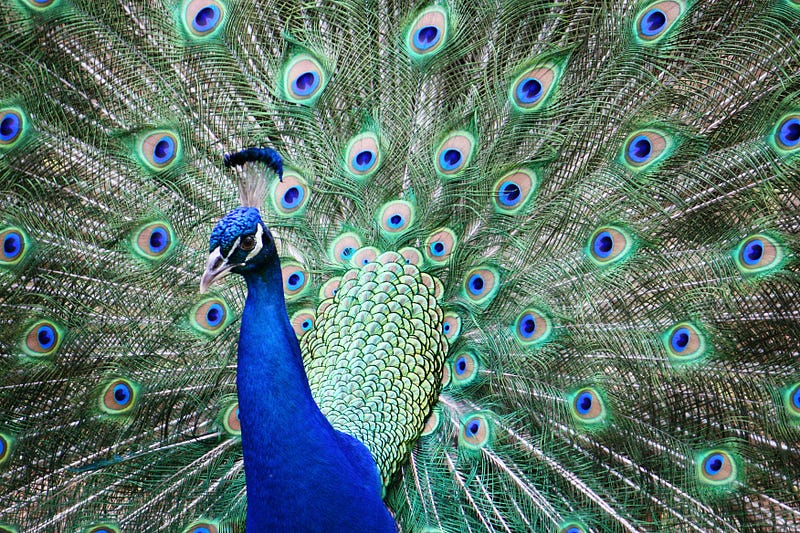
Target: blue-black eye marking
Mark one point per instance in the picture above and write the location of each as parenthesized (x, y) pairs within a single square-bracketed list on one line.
[(159, 240), (206, 18), (10, 126), (608, 245), (680, 339), (426, 37), (789, 133), (164, 150), (640, 149), (438, 249), (306, 83), (347, 252), (5, 448), (476, 431), (472, 428), (461, 365), (396, 221), (603, 244), (215, 315), (295, 280), (446, 328), (292, 197), (13, 245), (210, 316), (509, 194), (753, 251), (716, 467), (653, 22), (450, 159), (481, 285), (529, 90), (583, 403), (684, 342), (476, 284), (439, 246), (363, 160), (43, 338), (587, 406), (119, 396)]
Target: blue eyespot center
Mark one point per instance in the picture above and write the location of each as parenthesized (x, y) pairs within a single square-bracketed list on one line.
[(158, 240), (122, 393), (753, 252), (509, 193), (640, 149), (714, 464), (347, 253), (201, 530), (574, 530), (206, 18), (796, 398), (472, 428), (584, 403), (653, 22), (450, 159), (363, 160), (164, 150), (292, 197), (437, 248), (603, 244), (680, 339), (306, 83), (426, 37), (476, 284), (305, 325), (396, 221), (9, 126), (790, 132), (296, 280), (214, 315), (12, 246), (527, 326), (46, 336), (529, 90), (461, 365), (446, 328)]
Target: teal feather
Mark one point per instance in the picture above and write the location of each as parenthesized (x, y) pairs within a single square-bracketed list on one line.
[(625, 188)]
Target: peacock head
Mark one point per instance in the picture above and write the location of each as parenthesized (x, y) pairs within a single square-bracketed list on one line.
[(240, 243)]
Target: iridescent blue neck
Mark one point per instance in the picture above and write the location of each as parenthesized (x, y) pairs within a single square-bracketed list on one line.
[(302, 475)]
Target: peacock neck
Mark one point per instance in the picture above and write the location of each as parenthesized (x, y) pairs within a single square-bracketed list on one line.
[(299, 470)]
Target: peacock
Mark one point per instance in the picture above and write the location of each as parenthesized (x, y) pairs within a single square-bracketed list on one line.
[(431, 266)]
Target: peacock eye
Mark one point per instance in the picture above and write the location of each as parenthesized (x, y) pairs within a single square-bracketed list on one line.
[(248, 243)]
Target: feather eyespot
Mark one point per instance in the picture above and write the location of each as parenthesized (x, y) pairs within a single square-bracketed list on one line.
[(608, 245), (303, 79), (303, 321), (454, 154), (153, 241), (210, 316), (465, 368), (202, 527), (684, 343), (12, 126), (428, 33), (476, 431), (440, 245), (655, 21), (481, 285), (514, 190), (42, 339), (532, 327), (716, 467), (432, 423), (6, 443), (451, 327), (15, 246), (533, 88), (758, 254), (645, 148), (344, 247), (159, 150), (290, 195), (364, 256), (363, 155), (572, 527), (204, 17), (396, 217), (587, 406), (230, 420), (296, 280), (330, 288), (103, 528), (118, 397), (411, 255)]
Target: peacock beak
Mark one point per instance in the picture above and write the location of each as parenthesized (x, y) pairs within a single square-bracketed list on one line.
[(217, 267)]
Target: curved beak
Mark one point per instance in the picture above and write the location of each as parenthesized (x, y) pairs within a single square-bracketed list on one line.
[(217, 268)]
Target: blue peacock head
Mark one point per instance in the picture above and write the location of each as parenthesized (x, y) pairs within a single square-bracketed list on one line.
[(241, 242)]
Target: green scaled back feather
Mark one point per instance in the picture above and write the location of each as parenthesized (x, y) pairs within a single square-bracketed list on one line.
[(599, 202)]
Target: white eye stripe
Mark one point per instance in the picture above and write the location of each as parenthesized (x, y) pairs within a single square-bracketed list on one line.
[(259, 244), (233, 248)]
